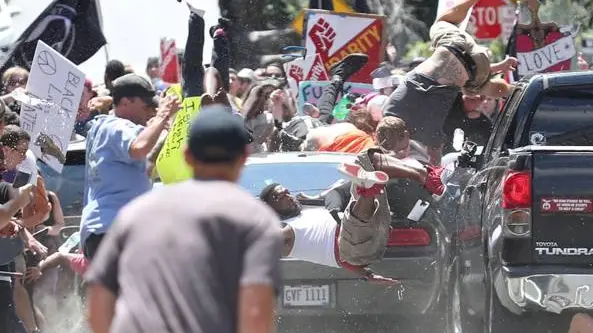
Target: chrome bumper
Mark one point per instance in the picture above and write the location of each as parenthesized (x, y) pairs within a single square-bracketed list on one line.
[(551, 292)]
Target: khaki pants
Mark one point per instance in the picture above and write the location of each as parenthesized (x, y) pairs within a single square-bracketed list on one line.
[(364, 242)]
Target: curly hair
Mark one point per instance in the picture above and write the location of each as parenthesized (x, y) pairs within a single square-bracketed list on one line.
[(362, 119)]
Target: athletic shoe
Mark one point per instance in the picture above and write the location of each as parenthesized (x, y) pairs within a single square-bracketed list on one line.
[(348, 66), (363, 178)]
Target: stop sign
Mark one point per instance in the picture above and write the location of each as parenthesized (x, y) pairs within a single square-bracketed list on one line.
[(488, 18)]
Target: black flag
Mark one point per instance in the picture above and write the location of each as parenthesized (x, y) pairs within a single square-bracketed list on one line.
[(511, 49), (71, 27)]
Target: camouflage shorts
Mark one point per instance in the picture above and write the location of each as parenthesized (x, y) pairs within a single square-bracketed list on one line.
[(364, 242)]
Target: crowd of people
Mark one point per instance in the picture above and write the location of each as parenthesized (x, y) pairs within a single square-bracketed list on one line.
[(171, 265)]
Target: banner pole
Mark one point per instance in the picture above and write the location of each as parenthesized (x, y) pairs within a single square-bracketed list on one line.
[(100, 15)]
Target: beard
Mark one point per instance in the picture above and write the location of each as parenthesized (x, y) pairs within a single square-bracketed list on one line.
[(292, 212)]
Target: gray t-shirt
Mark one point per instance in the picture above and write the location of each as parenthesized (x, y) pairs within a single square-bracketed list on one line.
[(176, 257)]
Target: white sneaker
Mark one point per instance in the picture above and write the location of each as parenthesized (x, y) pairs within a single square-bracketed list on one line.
[(361, 177), (195, 8)]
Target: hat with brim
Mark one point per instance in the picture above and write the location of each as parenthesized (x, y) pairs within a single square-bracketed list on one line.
[(133, 85)]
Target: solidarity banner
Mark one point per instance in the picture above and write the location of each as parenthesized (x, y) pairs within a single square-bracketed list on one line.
[(55, 85), (310, 91), (170, 163), (332, 36)]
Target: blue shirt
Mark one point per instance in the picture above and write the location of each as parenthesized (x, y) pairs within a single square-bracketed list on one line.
[(112, 177)]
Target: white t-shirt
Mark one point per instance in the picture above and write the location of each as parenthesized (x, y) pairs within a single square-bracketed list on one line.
[(29, 165), (314, 237)]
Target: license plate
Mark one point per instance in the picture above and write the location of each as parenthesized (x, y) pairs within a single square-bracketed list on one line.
[(307, 296)]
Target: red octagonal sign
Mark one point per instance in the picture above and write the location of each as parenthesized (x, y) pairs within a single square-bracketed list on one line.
[(487, 18)]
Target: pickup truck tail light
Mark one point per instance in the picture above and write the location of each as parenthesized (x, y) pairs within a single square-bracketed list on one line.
[(516, 204), (408, 237)]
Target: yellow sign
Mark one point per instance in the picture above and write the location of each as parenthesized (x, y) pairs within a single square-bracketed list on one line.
[(170, 164), (339, 7)]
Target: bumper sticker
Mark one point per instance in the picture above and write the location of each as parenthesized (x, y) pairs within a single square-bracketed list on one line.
[(566, 205)]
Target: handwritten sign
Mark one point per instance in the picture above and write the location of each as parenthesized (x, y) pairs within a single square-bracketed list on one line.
[(540, 60), (170, 163), (310, 91), (56, 85), (332, 36)]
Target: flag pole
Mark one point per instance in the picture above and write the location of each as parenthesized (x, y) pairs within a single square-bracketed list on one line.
[(100, 15)]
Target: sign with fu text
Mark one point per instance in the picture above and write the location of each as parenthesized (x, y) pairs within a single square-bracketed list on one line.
[(332, 36), (308, 69), (55, 84), (310, 91), (170, 163)]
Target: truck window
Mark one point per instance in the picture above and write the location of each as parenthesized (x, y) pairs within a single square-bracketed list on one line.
[(564, 117), (503, 122)]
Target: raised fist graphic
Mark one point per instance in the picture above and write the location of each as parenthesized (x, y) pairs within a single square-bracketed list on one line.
[(322, 35), (296, 72)]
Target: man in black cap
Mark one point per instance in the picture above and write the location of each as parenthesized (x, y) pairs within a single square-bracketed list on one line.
[(207, 250), (116, 149)]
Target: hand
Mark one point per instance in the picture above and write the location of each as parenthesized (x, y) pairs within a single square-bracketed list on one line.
[(168, 107), (25, 195), (509, 64), (378, 279), (100, 104), (11, 230), (582, 63), (33, 274), (277, 97), (35, 247)]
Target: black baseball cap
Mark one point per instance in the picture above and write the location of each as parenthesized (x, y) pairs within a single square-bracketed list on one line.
[(217, 136), (133, 85)]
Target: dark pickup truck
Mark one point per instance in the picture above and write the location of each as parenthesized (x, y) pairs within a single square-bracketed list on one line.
[(523, 257)]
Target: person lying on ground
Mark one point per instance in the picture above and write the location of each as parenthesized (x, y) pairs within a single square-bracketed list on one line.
[(314, 235), (458, 63)]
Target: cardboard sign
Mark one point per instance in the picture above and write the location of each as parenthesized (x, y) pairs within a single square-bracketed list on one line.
[(308, 69), (170, 71), (333, 36), (310, 91), (566, 205), (544, 47), (56, 85), (170, 163)]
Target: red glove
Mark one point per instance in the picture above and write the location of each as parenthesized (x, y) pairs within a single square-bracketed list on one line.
[(433, 183)]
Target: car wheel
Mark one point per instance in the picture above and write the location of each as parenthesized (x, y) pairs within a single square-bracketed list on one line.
[(458, 318)]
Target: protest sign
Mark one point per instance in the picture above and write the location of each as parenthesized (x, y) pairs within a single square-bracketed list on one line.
[(169, 68), (170, 163), (333, 36), (310, 91), (544, 47), (56, 85), (303, 70)]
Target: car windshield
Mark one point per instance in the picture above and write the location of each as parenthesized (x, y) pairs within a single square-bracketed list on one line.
[(69, 185), (309, 178)]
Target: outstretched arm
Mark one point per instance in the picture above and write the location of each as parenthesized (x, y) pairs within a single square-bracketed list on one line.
[(457, 13)]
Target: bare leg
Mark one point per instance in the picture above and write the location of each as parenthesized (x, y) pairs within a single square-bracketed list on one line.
[(457, 13), (23, 307)]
